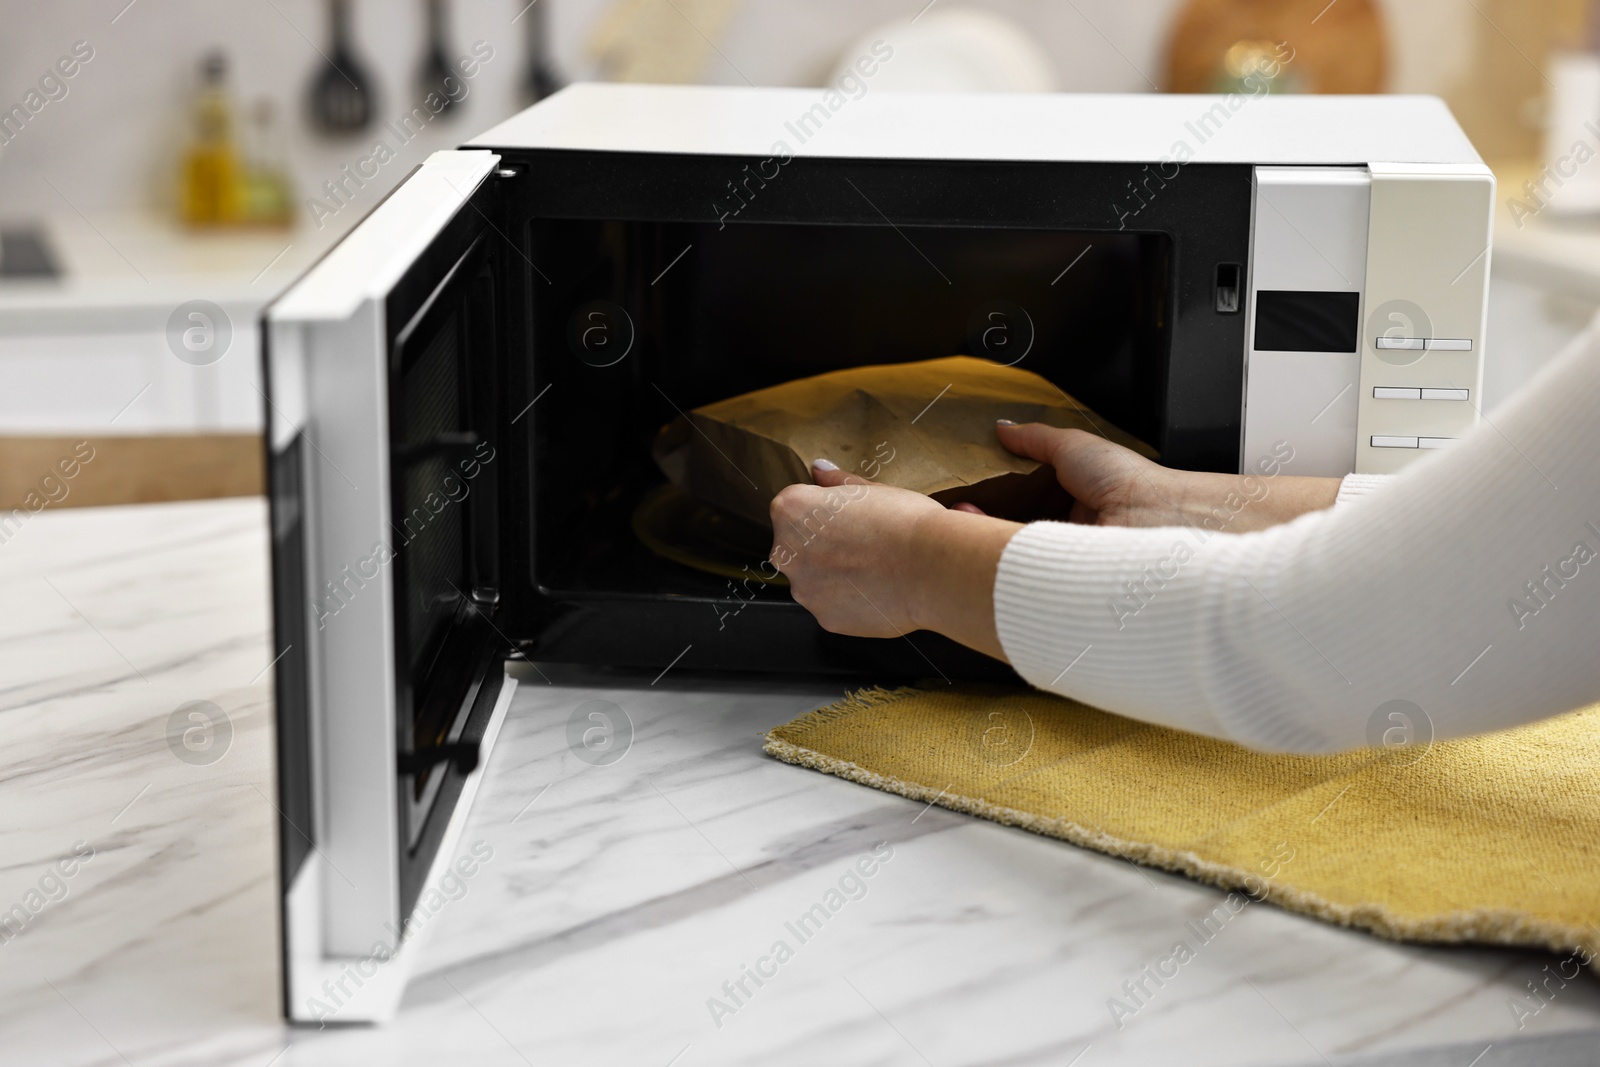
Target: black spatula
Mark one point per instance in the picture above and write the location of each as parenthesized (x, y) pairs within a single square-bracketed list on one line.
[(435, 75), (342, 98)]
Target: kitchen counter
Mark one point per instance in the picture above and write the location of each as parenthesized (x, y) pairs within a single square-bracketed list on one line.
[(612, 902), (127, 270)]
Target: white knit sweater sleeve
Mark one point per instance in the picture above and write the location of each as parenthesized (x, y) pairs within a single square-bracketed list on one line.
[(1468, 585), (1355, 485)]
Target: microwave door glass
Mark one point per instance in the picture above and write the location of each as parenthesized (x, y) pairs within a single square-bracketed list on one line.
[(444, 526)]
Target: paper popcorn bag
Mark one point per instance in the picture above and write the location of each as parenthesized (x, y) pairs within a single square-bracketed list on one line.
[(926, 426)]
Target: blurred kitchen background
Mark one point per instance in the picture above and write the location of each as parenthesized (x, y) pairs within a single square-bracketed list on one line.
[(166, 159)]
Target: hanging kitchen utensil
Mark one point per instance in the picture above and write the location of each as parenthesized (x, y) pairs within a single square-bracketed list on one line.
[(435, 78), (342, 98), (540, 80)]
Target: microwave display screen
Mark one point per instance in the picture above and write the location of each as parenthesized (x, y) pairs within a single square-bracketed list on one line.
[(1306, 321)]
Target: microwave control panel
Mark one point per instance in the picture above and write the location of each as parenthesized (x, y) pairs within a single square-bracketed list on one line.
[(1422, 342), (1368, 287)]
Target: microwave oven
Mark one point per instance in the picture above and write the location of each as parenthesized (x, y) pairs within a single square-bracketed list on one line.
[(462, 394)]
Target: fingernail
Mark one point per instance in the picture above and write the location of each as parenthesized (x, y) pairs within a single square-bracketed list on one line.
[(1004, 422), (824, 464)]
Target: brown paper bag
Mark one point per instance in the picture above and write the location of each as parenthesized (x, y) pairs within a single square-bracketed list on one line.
[(925, 426)]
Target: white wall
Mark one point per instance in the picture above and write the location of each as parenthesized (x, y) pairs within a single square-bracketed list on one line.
[(111, 142)]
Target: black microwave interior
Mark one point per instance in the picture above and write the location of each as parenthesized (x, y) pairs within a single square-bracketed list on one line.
[(632, 288), (625, 344)]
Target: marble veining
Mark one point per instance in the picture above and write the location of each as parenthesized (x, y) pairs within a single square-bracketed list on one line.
[(625, 906)]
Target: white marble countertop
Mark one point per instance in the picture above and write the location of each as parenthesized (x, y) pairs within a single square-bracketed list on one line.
[(618, 899)]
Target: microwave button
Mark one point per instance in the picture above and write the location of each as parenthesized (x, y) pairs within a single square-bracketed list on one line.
[(1435, 442), (1381, 441), (1449, 344), (1445, 394), (1390, 392), (1402, 344)]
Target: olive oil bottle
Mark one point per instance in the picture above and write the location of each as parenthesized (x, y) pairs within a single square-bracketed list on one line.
[(212, 179)]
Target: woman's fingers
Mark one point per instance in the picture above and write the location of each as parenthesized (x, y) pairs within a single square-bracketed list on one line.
[(1044, 443), (826, 472), (1088, 466)]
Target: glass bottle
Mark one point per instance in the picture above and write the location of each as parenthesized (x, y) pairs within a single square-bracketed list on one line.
[(266, 185), (211, 172)]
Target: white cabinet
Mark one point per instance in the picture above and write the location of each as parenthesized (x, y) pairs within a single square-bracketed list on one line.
[(125, 378)]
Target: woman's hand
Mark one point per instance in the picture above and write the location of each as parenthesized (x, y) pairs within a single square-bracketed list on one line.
[(1114, 486), (846, 546), (1109, 485), (875, 561)]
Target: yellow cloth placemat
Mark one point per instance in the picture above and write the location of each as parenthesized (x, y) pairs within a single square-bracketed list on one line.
[(1491, 839)]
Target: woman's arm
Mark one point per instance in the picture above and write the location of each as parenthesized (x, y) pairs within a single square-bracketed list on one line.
[(1468, 586)]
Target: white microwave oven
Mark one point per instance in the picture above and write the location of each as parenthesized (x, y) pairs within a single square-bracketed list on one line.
[(462, 394)]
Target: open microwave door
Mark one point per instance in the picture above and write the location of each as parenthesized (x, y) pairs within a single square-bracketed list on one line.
[(383, 467)]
